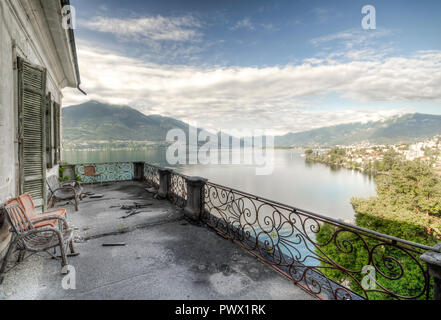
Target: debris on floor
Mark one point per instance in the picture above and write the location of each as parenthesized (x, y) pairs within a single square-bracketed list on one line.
[(134, 206), (151, 190), (132, 213), (132, 210), (117, 244), (96, 196)]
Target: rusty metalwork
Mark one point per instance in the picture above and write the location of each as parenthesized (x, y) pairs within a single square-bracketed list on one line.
[(151, 175), (178, 189), (317, 252)]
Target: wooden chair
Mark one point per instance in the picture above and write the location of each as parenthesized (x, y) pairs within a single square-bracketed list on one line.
[(27, 237), (27, 203), (64, 191), (89, 171)]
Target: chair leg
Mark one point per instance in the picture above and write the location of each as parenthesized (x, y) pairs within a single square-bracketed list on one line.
[(71, 247), (76, 203), (21, 256), (63, 255), (5, 260), (51, 202)]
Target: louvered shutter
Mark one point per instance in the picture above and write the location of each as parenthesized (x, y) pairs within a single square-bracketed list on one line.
[(32, 131), (49, 136), (57, 134)]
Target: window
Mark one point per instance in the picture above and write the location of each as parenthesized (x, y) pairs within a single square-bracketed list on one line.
[(32, 130)]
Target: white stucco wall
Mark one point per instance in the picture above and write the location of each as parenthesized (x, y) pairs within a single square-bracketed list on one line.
[(17, 37)]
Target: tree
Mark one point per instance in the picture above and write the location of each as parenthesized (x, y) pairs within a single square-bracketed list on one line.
[(407, 206)]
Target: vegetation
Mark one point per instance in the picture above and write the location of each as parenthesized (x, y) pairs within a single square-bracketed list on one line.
[(63, 178), (408, 206), (340, 157)]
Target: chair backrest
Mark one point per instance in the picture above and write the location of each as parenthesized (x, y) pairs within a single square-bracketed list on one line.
[(17, 217), (28, 204), (53, 183)]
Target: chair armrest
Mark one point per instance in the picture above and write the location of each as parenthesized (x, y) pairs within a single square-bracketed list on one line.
[(71, 183), (65, 223), (40, 230), (70, 188)]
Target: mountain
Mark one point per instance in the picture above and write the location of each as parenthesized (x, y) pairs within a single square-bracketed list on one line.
[(97, 121), (407, 128)]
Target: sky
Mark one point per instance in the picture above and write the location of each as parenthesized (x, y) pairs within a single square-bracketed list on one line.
[(279, 66)]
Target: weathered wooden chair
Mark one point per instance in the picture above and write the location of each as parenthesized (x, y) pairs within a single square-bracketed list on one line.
[(27, 237), (64, 191), (27, 203)]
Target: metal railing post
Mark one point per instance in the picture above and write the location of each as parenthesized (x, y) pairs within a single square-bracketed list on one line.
[(195, 197), (164, 182), (433, 261)]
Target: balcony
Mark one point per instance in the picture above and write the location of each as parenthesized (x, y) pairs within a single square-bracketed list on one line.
[(192, 239), (165, 257)]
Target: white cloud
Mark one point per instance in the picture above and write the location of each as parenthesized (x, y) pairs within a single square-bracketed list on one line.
[(244, 24), (355, 45), (353, 37), (159, 28), (258, 98)]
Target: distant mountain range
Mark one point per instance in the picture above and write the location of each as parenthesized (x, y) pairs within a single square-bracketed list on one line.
[(407, 128), (95, 121)]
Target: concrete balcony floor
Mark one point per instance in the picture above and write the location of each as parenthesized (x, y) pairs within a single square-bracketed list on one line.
[(165, 257)]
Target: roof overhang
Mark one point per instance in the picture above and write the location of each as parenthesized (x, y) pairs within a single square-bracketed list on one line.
[(63, 41)]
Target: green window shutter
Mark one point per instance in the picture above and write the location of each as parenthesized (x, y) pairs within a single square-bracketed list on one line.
[(32, 130), (57, 134), (49, 136)]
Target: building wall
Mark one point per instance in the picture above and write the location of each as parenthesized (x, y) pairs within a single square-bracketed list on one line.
[(17, 38)]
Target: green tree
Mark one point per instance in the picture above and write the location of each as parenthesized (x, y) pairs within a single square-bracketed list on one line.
[(407, 206)]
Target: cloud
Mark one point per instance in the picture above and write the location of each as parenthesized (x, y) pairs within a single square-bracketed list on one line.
[(355, 45), (159, 28), (244, 24), (277, 97), (353, 37), (322, 15)]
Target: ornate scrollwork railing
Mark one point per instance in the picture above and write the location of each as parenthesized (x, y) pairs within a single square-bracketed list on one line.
[(106, 172), (178, 189), (328, 258), (151, 174)]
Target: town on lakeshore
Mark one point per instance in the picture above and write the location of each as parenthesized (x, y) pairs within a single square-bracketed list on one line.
[(371, 158)]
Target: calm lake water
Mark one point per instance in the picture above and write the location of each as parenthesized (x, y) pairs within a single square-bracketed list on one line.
[(313, 187)]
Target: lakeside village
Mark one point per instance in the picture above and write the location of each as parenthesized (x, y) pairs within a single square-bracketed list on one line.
[(371, 159)]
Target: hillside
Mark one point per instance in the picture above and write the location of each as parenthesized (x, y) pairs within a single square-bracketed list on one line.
[(96, 121), (407, 128)]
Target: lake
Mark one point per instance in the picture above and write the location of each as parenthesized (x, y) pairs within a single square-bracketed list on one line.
[(310, 186)]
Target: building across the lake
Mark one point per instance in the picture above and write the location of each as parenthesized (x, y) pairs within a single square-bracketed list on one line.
[(37, 60)]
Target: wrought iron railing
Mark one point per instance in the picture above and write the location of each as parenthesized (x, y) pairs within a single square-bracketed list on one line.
[(106, 172), (151, 174), (328, 258), (178, 189)]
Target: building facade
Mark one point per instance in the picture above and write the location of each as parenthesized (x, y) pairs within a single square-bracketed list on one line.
[(37, 60)]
